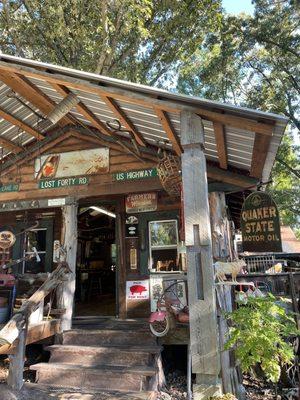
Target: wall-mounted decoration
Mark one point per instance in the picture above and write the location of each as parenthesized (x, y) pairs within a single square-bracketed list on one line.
[(158, 286), (137, 290), (62, 182), (73, 163), (7, 239), (260, 224), (9, 187), (141, 202), (135, 174), (131, 227), (169, 172)]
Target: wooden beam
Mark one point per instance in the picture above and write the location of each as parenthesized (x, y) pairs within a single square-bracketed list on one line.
[(17, 122), (111, 103), (167, 126), (233, 178), (219, 130), (136, 98), (84, 110), (9, 145), (201, 288), (31, 93), (259, 154)]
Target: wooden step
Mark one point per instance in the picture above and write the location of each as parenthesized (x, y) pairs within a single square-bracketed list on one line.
[(105, 355), (102, 337), (103, 377), (56, 392)]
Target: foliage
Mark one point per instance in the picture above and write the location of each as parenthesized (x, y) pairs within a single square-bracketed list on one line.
[(139, 40), (259, 334), (285, 186), (254, 61)]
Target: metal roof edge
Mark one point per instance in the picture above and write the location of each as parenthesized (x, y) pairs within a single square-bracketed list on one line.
[(144, 89)]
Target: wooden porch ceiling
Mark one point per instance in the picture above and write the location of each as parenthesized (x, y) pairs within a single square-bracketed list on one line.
[(232, 139)]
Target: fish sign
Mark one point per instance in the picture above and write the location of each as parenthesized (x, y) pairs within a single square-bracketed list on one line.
[(260, 224), (137, 290)]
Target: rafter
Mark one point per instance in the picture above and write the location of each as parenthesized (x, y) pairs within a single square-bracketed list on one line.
[(219, 131), (137, 98), (111, 103), (19, 123), (84, 110), (230, 177), (9, 145), (168, 128), (259, 154), (32, 93)]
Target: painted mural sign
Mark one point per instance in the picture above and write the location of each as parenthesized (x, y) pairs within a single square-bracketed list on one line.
[(260, 224), (137, 290), (72, 163), (141, 202), (135, 174)]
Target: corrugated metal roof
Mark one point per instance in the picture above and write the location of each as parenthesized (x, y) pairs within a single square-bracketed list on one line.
[(239, 142)]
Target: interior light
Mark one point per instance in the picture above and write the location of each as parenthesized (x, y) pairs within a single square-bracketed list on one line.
[(103, 211)]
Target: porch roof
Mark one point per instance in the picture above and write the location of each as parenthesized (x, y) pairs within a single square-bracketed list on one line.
[(237, 139)]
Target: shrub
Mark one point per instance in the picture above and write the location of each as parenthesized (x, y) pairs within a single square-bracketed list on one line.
[(258, 335)]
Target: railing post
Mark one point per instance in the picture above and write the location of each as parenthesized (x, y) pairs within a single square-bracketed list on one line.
[(16, 362)]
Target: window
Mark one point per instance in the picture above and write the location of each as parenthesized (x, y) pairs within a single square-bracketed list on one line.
[(35, 238), (163, 241)]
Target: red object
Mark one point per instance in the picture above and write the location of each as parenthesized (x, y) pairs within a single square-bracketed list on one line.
[(138, 289), (7, 280)]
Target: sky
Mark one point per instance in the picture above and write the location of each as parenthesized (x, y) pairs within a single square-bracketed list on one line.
[(238, 6)]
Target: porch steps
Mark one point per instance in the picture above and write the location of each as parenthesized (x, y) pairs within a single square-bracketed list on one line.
[(121, 357)]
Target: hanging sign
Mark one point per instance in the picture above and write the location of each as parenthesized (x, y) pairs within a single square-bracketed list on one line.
[(135, 174), (72, 163), (141, 202), (7, 239), (137, 290), (9, 187), (64, 182), (260, 224)]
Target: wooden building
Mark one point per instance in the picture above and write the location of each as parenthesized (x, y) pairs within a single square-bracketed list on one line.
[(121, 176)]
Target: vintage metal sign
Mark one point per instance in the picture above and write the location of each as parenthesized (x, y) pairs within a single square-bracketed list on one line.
[(61, 183), (141, 202), (9, 187), (260, 224), (7, 239), (137, 290), (72, 163), (135, 174)]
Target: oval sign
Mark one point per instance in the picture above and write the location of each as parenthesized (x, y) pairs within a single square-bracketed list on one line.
[(7, 239), (260, 224)]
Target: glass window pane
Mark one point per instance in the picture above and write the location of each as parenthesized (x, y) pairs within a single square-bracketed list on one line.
[(37, 239), (163, 233)]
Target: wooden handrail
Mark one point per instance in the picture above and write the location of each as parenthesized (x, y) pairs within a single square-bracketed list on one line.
[(10, 332), (14, 333)]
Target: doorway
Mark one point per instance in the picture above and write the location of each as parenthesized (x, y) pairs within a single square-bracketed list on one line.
[(96, 275)]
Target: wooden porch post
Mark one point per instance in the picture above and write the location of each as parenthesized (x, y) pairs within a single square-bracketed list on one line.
[(66, 292), (203, 319), (120, 236)]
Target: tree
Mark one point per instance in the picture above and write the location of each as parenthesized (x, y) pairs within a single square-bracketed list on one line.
[(139, 40), (255, 62)]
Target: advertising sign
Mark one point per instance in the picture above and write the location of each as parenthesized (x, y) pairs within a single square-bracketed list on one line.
[(260, 224), (7, 239), (137, 290), (72, 163), (141, 202)]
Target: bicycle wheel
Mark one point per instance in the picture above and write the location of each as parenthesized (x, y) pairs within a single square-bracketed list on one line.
[(160, 328)]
